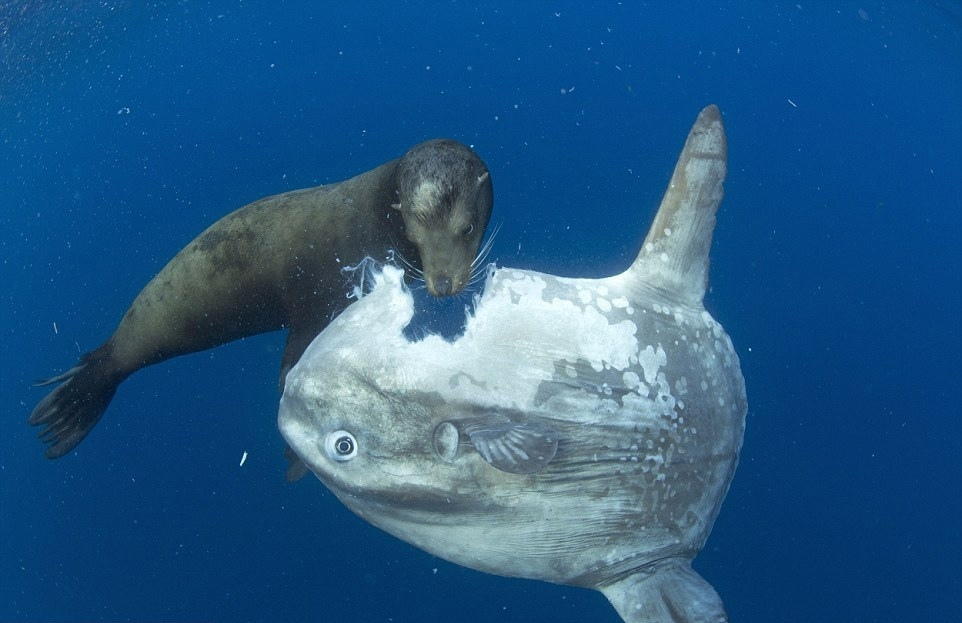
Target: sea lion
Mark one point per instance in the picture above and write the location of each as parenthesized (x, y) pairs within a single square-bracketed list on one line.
[(276, 263), (580, 431)]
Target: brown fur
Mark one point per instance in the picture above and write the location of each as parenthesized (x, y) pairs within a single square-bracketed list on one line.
[(276, 264)]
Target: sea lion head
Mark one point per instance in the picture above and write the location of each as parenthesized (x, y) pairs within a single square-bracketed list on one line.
[(445, 198)]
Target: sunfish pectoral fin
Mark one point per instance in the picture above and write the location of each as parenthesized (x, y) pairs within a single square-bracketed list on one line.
[(670, 592), (513, 447)]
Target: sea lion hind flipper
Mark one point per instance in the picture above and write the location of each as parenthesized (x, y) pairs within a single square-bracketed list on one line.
[(70, 411), (60, 378), (670, 591)]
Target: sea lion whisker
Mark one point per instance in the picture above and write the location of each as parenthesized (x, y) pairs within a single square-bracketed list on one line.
[(407, 265), (477, 277), (479, 259), (479, 266), (419, 285)]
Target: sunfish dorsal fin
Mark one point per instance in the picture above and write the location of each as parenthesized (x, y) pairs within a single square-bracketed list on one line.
[(674, 256)]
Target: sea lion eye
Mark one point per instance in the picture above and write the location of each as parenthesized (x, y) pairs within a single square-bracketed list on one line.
[(468, 230), (341, 446)]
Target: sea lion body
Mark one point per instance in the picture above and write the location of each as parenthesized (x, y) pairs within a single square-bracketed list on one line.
[(244, 275), (277, 263)]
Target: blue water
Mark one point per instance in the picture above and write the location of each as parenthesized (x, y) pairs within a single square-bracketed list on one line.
[(125, 129)]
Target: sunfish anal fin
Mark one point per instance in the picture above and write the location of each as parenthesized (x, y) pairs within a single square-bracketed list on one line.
[(670, 590)]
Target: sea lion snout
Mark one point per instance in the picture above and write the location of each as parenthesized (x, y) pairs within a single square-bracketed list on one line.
[(448, 257), (446, 261), (447, 281), (441, 287)]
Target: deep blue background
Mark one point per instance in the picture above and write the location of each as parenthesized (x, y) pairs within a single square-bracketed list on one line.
[(126, 128)]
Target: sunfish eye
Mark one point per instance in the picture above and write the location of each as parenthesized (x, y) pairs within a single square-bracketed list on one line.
[(341, 446), (469, 230)]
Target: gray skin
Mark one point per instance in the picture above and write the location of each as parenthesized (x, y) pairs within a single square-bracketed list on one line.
[(277, 264), (580, 431)]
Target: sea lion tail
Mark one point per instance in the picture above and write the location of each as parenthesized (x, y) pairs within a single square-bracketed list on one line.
[(670, 592), (70, 411)]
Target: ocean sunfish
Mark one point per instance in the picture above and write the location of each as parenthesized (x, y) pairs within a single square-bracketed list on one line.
[(580, 431)]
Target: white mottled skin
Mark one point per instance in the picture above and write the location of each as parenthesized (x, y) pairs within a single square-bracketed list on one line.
[(642, 385)]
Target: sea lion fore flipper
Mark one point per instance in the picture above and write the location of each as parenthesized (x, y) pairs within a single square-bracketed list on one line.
[(296, 468), (299, 338), (69, 412)]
